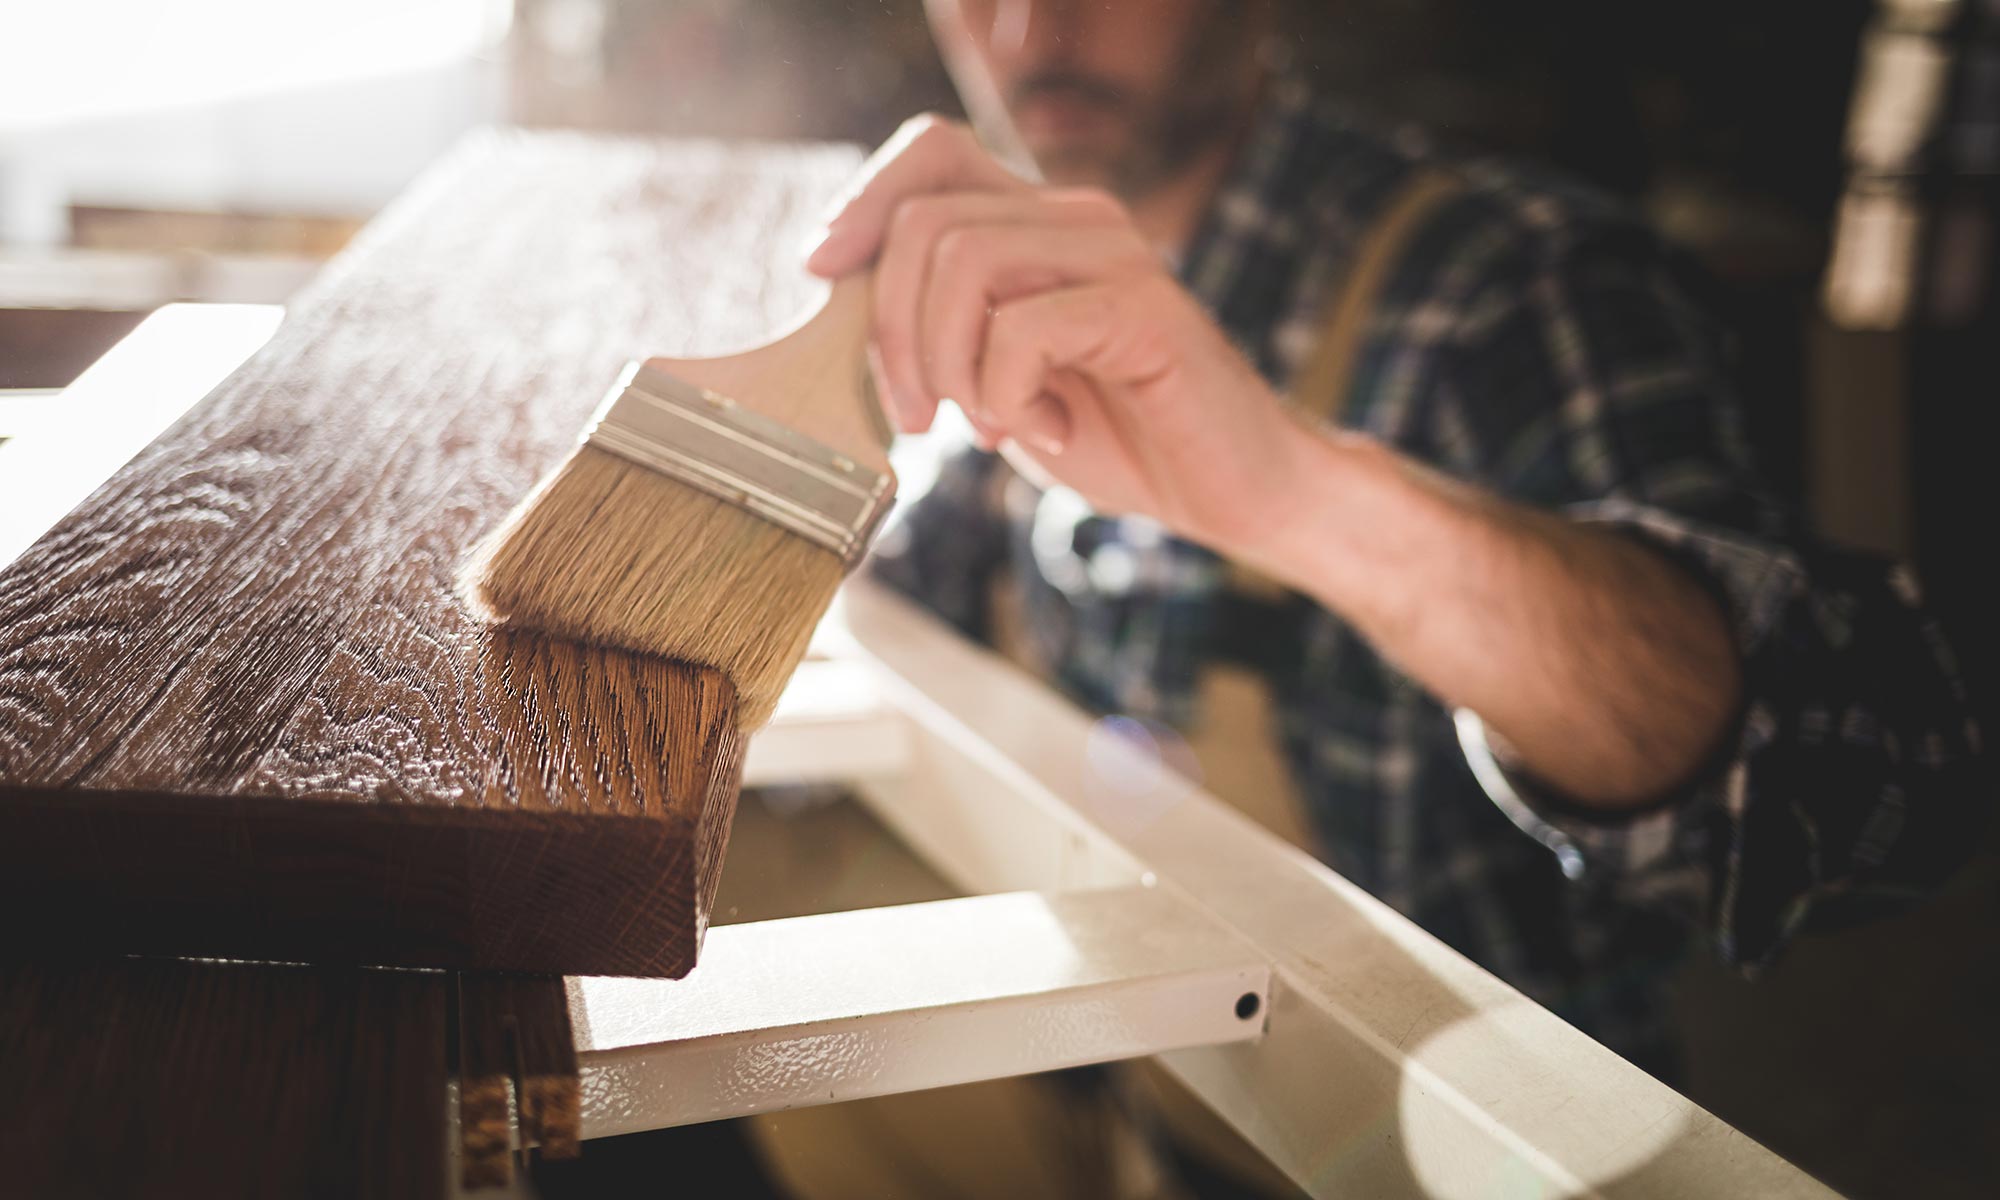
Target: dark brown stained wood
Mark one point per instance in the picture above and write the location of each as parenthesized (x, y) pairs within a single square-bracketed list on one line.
[(514, 1040), (242, 713), (219, 1080), (485, 1087), (551, 1091)]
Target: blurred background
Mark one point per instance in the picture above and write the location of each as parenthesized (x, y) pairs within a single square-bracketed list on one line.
[(1835, 164)]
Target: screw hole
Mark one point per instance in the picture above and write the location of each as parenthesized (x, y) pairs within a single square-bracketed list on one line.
[(1247, 1005)]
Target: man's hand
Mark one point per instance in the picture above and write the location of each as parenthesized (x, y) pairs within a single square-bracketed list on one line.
[(1045, 315), (1054, 325)]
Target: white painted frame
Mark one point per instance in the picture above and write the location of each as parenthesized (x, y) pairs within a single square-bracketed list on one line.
[(1113, 902), (811, 1010), (1390, 1064)]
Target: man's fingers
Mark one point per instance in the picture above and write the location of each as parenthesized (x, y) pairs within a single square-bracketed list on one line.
[(1046, 424), (1029, 339), (905, 271), (976, 268), (986, 437), (928, 154), (910, 412), (901, 271)]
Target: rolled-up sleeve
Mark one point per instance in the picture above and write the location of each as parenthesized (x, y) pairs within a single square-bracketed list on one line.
[(1851, 783), (1852, 780)]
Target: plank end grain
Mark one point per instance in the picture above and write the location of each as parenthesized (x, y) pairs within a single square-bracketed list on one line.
[(242, 711)]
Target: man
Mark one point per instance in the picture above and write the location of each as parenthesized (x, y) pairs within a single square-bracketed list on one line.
[(1530, 548)]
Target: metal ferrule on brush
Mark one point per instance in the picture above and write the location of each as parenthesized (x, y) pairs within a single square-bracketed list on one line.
[(712, 444)]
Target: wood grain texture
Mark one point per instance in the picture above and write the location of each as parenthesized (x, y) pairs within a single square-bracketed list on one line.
[(216, 1080), (242, 712)]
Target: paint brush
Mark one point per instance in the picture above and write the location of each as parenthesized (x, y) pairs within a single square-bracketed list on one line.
[(711, 510)]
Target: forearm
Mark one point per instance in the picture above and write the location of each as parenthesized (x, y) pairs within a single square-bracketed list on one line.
[(1605, 667)]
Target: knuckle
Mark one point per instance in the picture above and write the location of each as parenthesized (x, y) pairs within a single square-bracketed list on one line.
[(914, 218), (1132, 258), (960, 251), (929, 129), (1095, 202), (1102, 201), (1007, 326)]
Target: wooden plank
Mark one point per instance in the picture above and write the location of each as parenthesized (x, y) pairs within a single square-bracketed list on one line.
[(72, 442), (242, 712), (170, 1078)]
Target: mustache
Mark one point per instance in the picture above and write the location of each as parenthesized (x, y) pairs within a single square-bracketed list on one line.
[(1073, 85)]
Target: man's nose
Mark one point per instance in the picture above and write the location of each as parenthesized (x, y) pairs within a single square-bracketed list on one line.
[(1034, 29)]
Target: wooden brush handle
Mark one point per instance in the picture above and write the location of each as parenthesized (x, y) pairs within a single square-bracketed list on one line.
[(813, 379)]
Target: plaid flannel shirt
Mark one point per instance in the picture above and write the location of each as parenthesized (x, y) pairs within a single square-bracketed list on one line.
[(1534, 339)]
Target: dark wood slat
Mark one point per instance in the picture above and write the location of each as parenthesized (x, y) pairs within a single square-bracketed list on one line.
[(217, 1080), (485, 1086), (515, 1040), (546, 1068), (242, 712)]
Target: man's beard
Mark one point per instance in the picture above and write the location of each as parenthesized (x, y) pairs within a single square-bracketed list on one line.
[(1162, 136)]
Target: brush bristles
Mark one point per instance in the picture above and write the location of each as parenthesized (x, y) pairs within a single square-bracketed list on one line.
[(610, 552)]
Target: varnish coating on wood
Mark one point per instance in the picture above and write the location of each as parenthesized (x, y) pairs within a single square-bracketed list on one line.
[(242, 712)]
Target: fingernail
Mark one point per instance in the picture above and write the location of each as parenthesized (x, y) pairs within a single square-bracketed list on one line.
[(1047, 425), (827, 253), (831, 210), (980, 433), (815, 238)]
